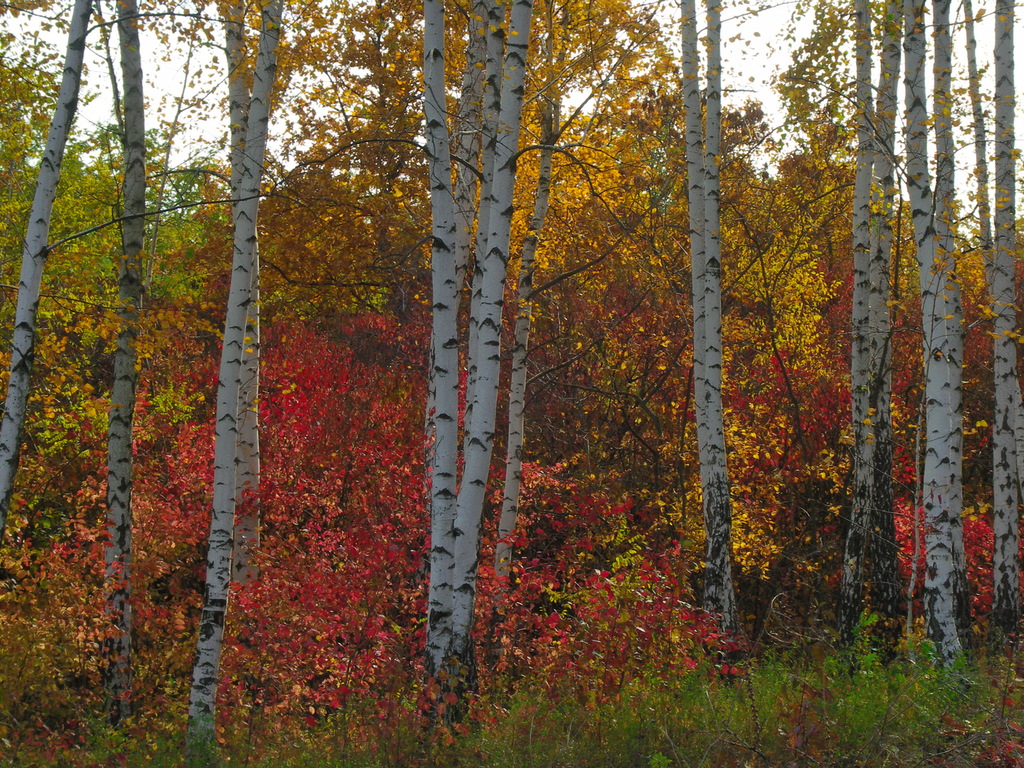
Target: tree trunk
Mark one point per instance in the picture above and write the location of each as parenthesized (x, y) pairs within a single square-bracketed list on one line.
[(858, 528), (466, 163), (940, 482), (485, 352), (444, 370), (202, 702), (247, 465), (945, 150), (33, 257), (246, 539), (1006, 557), (885, 586), (719, 596), (118, 553), (492, 95), (517, 383)]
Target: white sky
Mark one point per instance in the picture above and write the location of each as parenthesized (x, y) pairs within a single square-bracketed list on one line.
[(754, 50)]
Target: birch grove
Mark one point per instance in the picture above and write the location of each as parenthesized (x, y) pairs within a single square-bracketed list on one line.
[(810, 469)]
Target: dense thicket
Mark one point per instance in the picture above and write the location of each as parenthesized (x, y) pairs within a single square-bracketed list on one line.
[(372, 357)]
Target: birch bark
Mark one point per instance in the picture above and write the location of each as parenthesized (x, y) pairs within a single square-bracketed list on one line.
[(851, 588), (521, 345), (885, 587), (978, 126), (444, 371), (492, 95), (1006, 558), (202, 702), (940, 482), (247, 465), (34, 254), (945, 151), (485, 349), (118, 553), (704, 201)]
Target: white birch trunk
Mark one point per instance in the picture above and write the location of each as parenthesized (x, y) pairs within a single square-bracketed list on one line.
[(485, 352), (517, 383), (492, 95), (882, 549), (202, 702), (945, 150), (858, 530), (444, 357), (469, 126), (719, 596), (978, 126), (939, 482), (34, 254), (247, 466), (118, 553), (1006, 557), (466, 161), (695, 179)]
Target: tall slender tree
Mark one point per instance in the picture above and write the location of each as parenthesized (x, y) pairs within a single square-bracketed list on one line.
[(247, 464), (515, 441), (885, 586), (858, 528), (443, 405), (202, 701), (1006, 558), (34, 254), (118, 554), (485, 320), (941, 480), (457, 506), (871, 535), (703, 139), (944, 214)]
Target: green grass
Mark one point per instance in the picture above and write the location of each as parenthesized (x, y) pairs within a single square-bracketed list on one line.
[(782, 711)]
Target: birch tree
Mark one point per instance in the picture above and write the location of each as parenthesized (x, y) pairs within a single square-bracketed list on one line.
[(945, 151), (885, 586), (247, 464), (486, 321), (443, 406), (457, 504), (202, 701), (941, 481), (34, 254), (850, 597), (703, 163), (515, 443), (118, 553), (871, 536), (1006, 557)]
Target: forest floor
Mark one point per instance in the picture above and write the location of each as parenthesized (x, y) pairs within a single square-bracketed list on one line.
[(809, 709)]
